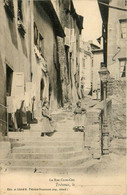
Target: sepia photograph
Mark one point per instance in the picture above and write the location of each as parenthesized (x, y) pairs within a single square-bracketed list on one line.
[(63, 97)]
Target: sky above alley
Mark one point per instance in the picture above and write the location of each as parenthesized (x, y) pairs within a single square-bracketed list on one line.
[(92, 19)]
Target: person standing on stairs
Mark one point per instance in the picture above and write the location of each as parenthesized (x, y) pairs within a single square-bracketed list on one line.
[(79, 117), (46, 120)]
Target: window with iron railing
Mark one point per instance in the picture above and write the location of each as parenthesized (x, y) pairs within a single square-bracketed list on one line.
[(20, 14), (20, 19)]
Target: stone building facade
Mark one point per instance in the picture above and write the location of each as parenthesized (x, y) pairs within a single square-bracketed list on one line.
[(38, 58), (14, 51), (86, 66), (45, 66), (97, 58), (90, 58), (28, 57), (117, 40), (115, 37), (117, 64), (69, 50)]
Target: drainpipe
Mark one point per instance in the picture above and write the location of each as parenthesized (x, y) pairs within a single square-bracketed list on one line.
[(31, 39)]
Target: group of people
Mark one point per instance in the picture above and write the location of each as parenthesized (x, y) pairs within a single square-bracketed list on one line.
[(24, 117), (47, 122)]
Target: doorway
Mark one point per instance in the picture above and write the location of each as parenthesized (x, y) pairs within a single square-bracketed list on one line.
[(9, 76)]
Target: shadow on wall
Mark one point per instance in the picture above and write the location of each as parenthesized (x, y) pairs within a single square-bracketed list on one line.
[(12, 28)]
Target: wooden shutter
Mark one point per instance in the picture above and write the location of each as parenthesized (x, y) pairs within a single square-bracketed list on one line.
[(17, 84), (67, 38)]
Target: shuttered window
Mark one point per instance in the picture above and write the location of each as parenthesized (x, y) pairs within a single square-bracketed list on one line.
[(123, 29), (67, 37), (17, 84)]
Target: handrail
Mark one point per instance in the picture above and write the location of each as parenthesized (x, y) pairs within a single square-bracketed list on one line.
[(6, 122), (3, 121), (3, 105)]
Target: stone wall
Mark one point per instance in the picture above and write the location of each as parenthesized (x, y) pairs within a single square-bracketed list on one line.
[(94, 132), (46, 29), (116, 90), (94, 139), (68, 74), (63, 68)]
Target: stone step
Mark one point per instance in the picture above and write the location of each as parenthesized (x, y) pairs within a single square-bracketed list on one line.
[(46, 138), (44, 149), (63, 155), (51, 170), (47, 162), (58, 130), (37, 135), (46, 143), (57, 170)]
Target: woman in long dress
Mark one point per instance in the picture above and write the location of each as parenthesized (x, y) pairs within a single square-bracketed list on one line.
[(47, 128), (79, 117)]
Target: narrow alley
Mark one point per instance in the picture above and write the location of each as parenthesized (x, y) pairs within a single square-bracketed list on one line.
[(63, 96)]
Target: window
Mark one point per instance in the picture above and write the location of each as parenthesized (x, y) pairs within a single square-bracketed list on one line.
[(125, 2), (35, 35), (9, 7), (41, 44), (20, 15), (123, 29), (9, 76), (67, 37), (122, 63), (20, 19), (38, 41)]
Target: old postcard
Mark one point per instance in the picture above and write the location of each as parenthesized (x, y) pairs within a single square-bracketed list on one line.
[(63, 97)]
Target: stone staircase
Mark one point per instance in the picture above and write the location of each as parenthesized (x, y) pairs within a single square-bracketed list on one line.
[(61, 153)]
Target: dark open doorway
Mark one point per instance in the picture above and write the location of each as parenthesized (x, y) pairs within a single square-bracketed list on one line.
[(9, 76)]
